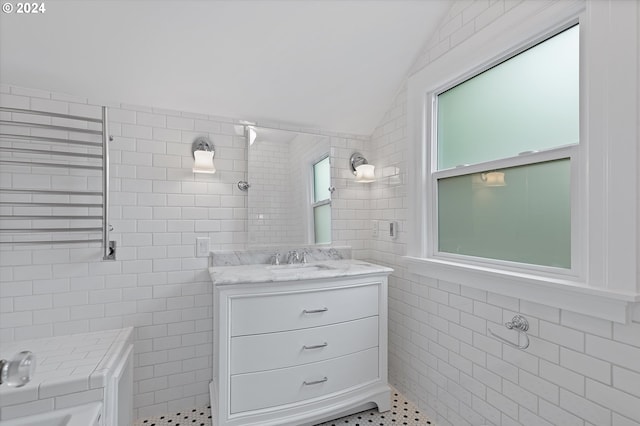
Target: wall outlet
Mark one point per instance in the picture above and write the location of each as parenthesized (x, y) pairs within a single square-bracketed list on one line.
[(374, 228), (393, 229), (202, 246)]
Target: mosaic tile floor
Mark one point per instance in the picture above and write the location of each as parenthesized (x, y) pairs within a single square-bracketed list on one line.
[(402, 412)]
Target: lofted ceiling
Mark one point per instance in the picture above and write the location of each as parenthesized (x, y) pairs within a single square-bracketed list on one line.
[(328, 64)]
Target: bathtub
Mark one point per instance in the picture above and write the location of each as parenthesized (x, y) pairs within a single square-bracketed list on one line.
[(82, 415)]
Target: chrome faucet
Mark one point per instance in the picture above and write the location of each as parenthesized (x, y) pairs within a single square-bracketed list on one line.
[(293, 257), (304, 259), (275, 259)]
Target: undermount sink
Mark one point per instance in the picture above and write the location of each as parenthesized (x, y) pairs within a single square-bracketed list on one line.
[(296, 267)]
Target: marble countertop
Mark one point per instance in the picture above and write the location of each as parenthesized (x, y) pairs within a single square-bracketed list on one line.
[(265, 255), (260, 273), (66, 364)]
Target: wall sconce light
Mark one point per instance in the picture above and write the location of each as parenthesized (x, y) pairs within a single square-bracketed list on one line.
[(493, 179), (203, 152), (360, 167)]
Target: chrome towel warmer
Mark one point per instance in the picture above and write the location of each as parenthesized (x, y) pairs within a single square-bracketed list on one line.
[(29, 141)]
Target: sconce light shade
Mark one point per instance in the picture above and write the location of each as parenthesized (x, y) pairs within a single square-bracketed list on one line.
[(365, 173), (203, 162), (203, 152), (493, 179), (360, 167)]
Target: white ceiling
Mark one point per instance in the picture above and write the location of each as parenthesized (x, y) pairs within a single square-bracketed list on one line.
[(330, 64)]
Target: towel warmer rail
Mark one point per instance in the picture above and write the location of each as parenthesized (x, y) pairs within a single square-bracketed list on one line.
[(61, 145)]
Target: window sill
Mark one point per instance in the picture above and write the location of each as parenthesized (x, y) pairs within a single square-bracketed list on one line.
[(564, 294)]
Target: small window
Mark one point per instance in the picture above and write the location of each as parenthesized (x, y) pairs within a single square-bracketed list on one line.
[(322, 201), (506, 142)]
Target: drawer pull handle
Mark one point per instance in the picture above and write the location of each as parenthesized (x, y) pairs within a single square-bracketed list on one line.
[(314, 311), (315, 382), (315, 346)]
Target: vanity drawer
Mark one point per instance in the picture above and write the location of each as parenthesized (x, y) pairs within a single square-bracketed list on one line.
[(294, 311), (291, 348), (272, 388)]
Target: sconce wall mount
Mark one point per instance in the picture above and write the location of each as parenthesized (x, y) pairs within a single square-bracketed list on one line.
[(357, 160)]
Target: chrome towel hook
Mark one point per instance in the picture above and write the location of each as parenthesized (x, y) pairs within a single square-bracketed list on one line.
[(519, 324)]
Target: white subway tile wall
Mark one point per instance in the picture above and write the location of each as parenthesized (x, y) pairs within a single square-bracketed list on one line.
[(158, 208), (578, 370)]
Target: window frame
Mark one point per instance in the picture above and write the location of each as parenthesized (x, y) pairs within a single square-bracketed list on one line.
[(565, 152), (312, 198), (604, 280), (569, 151)]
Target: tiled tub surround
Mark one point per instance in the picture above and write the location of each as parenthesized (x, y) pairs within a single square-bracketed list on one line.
[(158, 208), (299, 344), (70, 371)]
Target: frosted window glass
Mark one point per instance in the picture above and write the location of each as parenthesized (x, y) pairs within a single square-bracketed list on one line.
[(322, 223), (321, 180), (529, 102), (527, 220)]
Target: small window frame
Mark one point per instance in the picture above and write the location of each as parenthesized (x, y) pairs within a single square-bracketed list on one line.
[(315, 204)]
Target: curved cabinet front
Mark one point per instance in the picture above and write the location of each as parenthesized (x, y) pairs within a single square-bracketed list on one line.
[(291, 348), (273, 388), (303, 309), (299, 353)]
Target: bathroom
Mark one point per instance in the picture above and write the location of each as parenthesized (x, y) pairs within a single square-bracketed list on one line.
[(582, 364)]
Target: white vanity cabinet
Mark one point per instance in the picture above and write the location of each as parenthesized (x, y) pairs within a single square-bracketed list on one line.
[(299, 352)]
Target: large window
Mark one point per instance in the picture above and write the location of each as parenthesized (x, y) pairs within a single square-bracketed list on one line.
[(501, 172), (522, 178), (321, 204)]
